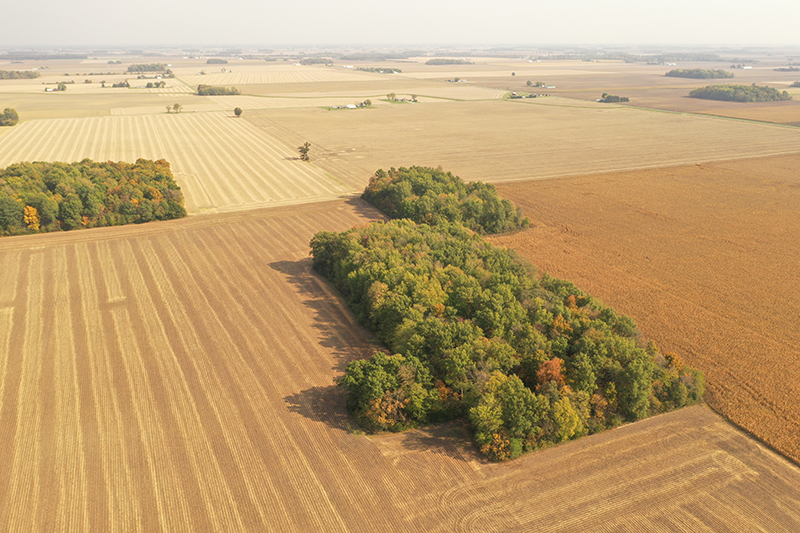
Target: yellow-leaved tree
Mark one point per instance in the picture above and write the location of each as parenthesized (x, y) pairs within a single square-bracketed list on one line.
[(31, 217)]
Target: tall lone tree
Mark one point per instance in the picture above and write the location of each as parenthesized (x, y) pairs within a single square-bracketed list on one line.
[(238, 112), (304, 150)]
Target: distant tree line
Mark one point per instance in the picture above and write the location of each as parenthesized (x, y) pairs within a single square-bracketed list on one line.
[(381, 57), (9, 117), (22, 56), (40, 197), (149, 67), (446, 61), (19, 74), (786, 69), (475, 332), (699, 73), (216, 61), (210, 90), (429, 195), (316, 61), (740, 93), (380, 70), (613, 98), (795, 84)]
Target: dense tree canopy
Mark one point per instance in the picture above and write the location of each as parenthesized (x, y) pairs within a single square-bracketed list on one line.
[(699, 73), (429, 195), (43, 196), (475, 332), (613, 98), (447, 61), (9, 117), (380, 70), (149, 67), (210, 90), (18, 74), (740, 93)]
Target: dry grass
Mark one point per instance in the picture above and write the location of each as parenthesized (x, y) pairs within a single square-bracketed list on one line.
[(703, 257), (221, 162), (514, 140), (188, 386)]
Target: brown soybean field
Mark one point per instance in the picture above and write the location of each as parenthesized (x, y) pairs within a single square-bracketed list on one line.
[(705, 257), (179, 377)]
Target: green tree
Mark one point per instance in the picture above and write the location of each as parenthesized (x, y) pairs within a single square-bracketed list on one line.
[(9, 117), (237, 111), (177, 107), (70, 212), (11, 213), (304, 151)]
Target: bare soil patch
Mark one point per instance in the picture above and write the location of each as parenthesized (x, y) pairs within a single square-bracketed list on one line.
[(704, 257)]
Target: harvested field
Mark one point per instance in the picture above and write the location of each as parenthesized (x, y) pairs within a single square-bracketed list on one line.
[(179, 377), (276, 74), (703, 257), (72, 105), (516, 140), (220, 162), (646, 86), (277, 102)]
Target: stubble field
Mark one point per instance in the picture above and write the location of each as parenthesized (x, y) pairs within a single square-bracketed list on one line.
[(704, 257), (179, 375), (188, 386), (221, 162), (517, 140)]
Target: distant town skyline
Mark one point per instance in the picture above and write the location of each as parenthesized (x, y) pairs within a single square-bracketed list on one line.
[(412, 22)]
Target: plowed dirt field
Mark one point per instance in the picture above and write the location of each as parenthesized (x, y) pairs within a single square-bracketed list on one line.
[(704, 257), (179, 376)]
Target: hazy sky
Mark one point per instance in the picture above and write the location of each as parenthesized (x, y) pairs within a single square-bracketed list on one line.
[(405, 22)]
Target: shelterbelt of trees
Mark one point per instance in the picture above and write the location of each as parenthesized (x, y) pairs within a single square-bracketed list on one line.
[(473, 331), (430, 195), (211, 90), (18, 74), (699, 73), (40, 197), (740, 93)]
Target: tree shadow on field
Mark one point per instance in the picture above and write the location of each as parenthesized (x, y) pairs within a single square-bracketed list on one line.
[(337, 331), (336, 327), (322, 404), (364, 209)]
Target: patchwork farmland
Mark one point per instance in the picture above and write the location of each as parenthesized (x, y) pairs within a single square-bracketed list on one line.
[(180, 375), (705, 258), (188, 385)]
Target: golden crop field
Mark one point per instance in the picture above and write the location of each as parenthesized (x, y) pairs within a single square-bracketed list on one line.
[(267, 74), (221, 162), (704, 257), (519, 140), (179, 377)]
